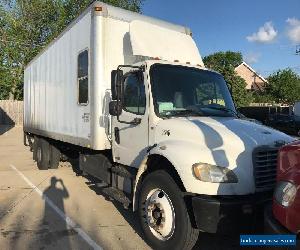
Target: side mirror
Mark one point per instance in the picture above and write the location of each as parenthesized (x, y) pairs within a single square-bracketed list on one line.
[(113, 84), (115, 108), (116, 78)]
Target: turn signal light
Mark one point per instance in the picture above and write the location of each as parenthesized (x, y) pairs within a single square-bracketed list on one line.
[(98, 8)]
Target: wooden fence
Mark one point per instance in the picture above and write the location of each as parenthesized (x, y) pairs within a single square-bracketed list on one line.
[(11, 112)]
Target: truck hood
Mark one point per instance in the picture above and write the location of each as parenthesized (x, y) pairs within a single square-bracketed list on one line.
[(221, 132), (222, 141)]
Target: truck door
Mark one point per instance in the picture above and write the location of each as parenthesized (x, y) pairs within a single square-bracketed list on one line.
[(130, 141)]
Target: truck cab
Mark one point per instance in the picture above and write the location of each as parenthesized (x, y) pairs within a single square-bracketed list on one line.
[(179, 119)]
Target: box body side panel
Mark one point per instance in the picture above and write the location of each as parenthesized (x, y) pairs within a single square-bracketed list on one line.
[(51, 88)]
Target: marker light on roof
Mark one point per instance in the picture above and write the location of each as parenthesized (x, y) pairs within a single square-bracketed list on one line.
[(98, 8)]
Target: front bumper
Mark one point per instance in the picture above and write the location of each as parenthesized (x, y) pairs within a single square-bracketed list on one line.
[(229, 214), (271, 225)]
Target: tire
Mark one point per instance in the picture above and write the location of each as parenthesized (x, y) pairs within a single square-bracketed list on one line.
[(35, 143), (173, 223), (54, 157), (42, 154)]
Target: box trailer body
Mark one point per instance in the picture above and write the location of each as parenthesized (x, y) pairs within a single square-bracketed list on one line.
[(111, 37), (129, 97)]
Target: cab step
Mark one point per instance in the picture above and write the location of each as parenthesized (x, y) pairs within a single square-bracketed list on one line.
[(117, 195), (124, 171)]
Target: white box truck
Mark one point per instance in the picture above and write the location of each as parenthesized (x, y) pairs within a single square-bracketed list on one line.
[(129, 97)]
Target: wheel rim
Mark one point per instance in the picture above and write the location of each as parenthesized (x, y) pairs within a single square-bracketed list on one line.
[(39, 154), (159, 214)]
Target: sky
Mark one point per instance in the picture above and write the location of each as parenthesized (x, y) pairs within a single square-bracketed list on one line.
[(266, 32)]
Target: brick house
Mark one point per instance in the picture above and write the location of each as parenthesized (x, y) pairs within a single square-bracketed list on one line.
[(254, 81)]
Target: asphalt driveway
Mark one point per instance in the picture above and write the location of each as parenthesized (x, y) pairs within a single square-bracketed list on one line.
[(55, 209)]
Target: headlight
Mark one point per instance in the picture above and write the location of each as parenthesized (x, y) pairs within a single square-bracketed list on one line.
[(211, 173), (285, 193)]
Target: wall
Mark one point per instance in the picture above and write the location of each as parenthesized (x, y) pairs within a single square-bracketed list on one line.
[(11, 112), (252, 80)]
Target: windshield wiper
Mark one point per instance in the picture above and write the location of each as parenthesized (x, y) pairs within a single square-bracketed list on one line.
[(228, 110), (184, 112)]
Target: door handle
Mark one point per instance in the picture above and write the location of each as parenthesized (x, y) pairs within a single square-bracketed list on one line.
[(117, 135), (136, 121)]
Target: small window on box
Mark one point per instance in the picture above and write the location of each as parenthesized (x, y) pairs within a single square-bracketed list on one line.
[(83, 77)]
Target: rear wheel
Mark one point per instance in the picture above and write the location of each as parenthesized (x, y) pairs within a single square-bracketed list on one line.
[(163, 214), (42, 154), (35, 143), (54, 157)]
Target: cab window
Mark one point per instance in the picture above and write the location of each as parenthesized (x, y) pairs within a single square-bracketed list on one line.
[(134, 95)]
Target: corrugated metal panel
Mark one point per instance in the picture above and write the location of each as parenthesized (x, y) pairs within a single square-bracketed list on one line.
[(50, 89)]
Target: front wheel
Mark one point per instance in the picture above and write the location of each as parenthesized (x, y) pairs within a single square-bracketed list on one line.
[(163, 214)]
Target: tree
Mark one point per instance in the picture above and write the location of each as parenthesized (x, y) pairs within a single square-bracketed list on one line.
[(223, 60), (262, 97), (71, 8), (225, 63), (284, 86), (26, 27), (4, 69)]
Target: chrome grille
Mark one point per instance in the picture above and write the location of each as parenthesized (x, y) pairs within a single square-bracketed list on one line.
[(265, 164)]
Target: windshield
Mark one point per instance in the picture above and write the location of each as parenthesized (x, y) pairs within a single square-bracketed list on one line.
[(185, 91)]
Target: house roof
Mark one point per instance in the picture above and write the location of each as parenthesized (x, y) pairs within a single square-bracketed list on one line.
[(246, 65)]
